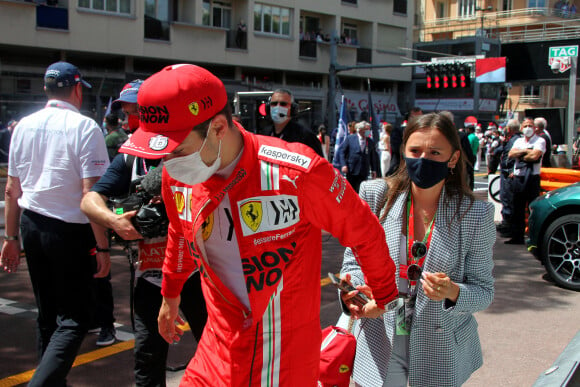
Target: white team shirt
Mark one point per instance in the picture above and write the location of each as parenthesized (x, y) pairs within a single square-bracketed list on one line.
[(51, 151), (535, 142), (221, 244)]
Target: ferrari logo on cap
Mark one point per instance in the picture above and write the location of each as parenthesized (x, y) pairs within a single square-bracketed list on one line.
[(207, 227), (158, 143), (194, 108), (252, 214)]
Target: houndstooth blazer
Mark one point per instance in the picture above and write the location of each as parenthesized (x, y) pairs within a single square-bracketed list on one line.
[(444, 343)]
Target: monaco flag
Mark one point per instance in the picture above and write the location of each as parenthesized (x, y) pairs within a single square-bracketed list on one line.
[(490, 70)]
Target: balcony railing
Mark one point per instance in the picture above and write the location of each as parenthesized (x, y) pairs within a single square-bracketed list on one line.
[(531, 99), (516, 25), (51, 17)]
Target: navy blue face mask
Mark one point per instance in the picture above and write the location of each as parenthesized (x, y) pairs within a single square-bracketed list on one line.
[(425, 173)]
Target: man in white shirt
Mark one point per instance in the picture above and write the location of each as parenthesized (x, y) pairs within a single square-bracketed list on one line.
[(527, 151), (56, 155)]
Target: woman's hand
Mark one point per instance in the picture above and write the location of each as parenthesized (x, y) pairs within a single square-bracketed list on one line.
[(438, 286), (358, 309)]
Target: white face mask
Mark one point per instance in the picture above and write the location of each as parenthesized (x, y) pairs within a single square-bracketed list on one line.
[(191, 169), (279, 114), (528, 132)]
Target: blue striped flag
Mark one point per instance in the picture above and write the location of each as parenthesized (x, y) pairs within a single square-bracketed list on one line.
[(341, 133)]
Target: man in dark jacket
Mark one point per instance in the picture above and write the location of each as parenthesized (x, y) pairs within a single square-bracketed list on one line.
[(359, 156), (506, 166), (282, 110)]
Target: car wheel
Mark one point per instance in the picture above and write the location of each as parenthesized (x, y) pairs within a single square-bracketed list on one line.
[(561, 251)]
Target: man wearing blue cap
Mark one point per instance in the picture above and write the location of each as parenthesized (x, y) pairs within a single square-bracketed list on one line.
[(55, 157)]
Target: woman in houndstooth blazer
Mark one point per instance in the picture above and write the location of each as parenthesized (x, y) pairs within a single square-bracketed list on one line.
[(441, 345)]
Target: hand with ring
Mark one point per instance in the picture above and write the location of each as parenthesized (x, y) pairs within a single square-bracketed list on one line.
[(438, 286)]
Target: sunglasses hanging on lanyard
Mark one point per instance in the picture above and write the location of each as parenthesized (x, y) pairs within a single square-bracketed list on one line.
[(417, 250)]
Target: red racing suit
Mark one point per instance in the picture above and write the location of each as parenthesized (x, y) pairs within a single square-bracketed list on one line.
[(293, 194)]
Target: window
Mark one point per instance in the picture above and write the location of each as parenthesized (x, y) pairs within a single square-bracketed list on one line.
[(532, 91), (309, 27), (536, 3), (114, 6), (349, 31), (466, 8), (271, 19), (507, 5), (217, 14), (157, 19), (559, 92), (440, 10), (350, 1), (390, 37), (400, 6)]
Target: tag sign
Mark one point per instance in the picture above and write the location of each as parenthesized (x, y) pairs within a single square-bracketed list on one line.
[(562, 55), (563, 51)]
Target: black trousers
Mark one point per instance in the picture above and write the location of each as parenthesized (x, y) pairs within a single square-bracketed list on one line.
[(150, 348), (355, 180), (521, 200), (506, 196), (61, 270)]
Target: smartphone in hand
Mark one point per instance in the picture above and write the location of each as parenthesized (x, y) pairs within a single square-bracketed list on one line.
[(359, 299)]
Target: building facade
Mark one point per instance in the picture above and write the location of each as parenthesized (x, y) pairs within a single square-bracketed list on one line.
[(521, 30), (249, 44)]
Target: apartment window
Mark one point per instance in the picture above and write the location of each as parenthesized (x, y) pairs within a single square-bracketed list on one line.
[(559, 92), (466, 8), (400, 6), (157, 19), (536, 3), (531, 91), (440, 10), (217, 14), (507, 5), (349, 32), (390, 37), (272, 20), (114, 6)]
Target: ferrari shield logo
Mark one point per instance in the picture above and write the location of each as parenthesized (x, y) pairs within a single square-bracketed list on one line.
[(252, 214), (179, 201), (207, 227), (194, 108)]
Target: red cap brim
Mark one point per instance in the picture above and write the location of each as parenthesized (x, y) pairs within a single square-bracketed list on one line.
[(150, 145)]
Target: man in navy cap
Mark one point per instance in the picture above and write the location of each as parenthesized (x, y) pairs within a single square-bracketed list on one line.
[(56, 155)]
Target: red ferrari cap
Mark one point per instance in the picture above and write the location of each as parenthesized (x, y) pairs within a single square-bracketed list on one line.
[(171, 102)]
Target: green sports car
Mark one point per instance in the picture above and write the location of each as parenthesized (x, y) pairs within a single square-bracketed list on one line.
[(554, 234)]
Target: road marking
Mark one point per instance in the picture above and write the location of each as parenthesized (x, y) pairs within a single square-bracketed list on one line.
[(87, 357)]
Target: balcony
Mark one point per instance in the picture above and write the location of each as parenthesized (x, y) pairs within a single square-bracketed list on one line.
[(364, 55), (529, 24), (308, 49), (52, 17)]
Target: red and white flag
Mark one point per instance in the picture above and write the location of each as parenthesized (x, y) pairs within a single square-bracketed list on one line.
[(490, 70)]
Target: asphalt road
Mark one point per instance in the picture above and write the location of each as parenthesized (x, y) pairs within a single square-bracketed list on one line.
[(528, 325)]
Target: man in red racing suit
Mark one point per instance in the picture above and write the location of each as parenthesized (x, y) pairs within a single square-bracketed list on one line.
[(253, 227)]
